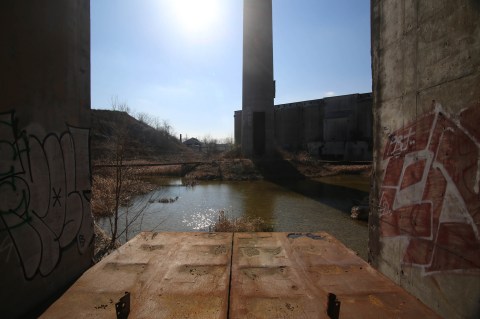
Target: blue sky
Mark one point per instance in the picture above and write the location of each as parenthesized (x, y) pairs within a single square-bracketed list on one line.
[(185, 65)]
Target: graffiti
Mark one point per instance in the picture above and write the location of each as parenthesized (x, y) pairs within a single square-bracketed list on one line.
[(56, 196), (44, 195), (6, 246), (402, 142), (430, 192)]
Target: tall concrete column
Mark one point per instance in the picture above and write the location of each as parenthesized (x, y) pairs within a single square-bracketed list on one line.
[(425, 218), (258, 84), (46, 230)]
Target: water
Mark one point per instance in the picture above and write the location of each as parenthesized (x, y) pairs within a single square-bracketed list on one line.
[(289, 206)]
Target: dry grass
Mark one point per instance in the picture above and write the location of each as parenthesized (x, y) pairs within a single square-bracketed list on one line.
[(103, 190), (166, 170), (242, 224)]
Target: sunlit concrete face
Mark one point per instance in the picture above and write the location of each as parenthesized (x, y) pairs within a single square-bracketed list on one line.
[(258, 84), (425, 221)]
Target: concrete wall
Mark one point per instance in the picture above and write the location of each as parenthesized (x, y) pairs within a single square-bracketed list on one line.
[(289, 126), (424, 225), (313, 114), (337, 127), (298, 123), (46, 227)]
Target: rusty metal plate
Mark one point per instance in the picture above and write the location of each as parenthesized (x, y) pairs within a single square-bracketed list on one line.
[(282, 275), (269, 275), (168, 275)]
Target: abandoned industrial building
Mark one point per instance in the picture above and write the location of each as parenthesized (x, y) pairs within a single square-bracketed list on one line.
[(332, 128)]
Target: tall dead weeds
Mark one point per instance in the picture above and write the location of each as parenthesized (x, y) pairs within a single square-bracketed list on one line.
[(241, 224)]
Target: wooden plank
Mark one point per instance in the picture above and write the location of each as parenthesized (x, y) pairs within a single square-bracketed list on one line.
[(275, 275), (169, 275)]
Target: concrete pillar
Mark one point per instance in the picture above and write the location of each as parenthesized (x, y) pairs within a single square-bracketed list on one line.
[(46, 231), (258, 85), (238, 127), (425, 219)]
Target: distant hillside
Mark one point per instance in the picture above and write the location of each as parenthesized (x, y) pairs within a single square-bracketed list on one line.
[(142, 141)]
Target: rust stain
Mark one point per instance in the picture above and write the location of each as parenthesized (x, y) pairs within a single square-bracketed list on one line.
[(375, 301), (188, 275)]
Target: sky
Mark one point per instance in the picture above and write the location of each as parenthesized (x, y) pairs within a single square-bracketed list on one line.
[(181, 60)]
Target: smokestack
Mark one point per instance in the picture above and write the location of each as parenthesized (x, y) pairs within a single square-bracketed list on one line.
[(258, 89)]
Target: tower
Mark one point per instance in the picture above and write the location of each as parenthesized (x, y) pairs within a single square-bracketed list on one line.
[(258, 87)]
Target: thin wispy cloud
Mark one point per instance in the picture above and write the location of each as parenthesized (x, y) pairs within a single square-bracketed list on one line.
[(328, 94)]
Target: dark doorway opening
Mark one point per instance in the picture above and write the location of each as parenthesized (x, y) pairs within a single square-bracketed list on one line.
[(259, 133)]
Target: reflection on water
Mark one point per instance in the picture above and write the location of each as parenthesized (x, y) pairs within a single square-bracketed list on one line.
[(291, 206), (201, 221)]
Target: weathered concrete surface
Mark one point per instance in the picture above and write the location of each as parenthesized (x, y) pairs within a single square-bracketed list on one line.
[(169, 275), (238, 127), (424, 227), (338, 127), (46, 231), (271, 275)]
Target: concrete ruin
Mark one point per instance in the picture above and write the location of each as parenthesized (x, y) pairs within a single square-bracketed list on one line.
[(46, 231), (258, 85), (424, 225), (332, 128), (336, 128)]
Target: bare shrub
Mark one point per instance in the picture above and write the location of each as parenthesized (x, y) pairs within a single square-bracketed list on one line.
[(242, 224)]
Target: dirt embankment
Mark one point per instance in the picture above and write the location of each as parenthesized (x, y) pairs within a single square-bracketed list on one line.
[(322, 169)]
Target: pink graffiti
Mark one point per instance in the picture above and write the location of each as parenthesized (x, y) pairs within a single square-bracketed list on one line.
[(430, 192)]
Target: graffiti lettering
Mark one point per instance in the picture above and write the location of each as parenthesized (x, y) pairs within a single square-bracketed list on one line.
[(430, 192), (7, 246), (402, 142), (56, 196), (43, 182)]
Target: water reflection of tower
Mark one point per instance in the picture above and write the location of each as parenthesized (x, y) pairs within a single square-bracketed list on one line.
[(257, 203), (258, 90)]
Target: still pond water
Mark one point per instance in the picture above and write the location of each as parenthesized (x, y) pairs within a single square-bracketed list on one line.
[(288, 206)]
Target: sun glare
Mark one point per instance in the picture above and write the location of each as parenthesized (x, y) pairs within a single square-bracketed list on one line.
[(197, 17)]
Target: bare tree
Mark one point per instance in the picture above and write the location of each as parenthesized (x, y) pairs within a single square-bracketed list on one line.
[(122, 175), (120, 142), (145, 118), (132, 214), (166, 128), (119, 106), (210, 145)]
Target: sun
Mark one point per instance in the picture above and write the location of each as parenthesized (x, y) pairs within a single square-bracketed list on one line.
[(197, 18)]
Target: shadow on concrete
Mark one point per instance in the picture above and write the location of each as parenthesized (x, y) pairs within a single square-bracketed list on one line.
[(284, 174)]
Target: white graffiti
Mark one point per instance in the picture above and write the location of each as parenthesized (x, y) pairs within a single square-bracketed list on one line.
[(402, 142), (44, 194)]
